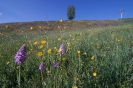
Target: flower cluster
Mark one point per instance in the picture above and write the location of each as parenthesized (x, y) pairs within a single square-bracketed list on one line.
[(42, 66), (62, 49), (21, 55)]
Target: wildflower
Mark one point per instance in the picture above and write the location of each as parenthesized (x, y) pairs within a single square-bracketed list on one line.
[(21, 55), (64, 70), (92, 57), (98, 46), (49, 50), (43, 42), (42, 66), (91, 43), (41, 46), (7, 26), (7, 62), (62, 49), (63, 59), (78, 51), (39, 54), (64, 27), (118, 40), (85, 53), (113, 35), (94, 74), (39, 27), (55, 49), (55, 64), (61, 21), (68, 44), (76, 78), (18, 67), (59, 39), (31, 28), (35, 43), (74, 86), (31, 49), (44, 83), (48, 72)]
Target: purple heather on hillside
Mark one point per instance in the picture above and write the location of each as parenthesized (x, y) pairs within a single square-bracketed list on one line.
[(21, 55)]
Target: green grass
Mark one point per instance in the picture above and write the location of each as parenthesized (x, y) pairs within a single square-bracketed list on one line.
[(106, 51)]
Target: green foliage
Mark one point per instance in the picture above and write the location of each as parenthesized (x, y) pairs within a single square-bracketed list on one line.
[(107, 52), (71, 12), (7, 26)]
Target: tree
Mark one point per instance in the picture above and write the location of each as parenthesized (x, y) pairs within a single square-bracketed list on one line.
[(71, 12)]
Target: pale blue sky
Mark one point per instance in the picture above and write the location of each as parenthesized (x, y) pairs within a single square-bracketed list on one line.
[(35, 10)]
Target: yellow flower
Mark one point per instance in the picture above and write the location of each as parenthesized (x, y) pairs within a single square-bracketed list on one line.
[(43, 42), (76, 78), (49, 50), (64, 27), (98, 46), (55, 49), (48, 71), (18, 67), (31, 28), (58, 26), (91, 43), (68, 44), (39, 27), (39, 54), (61, 21), (92, 57), (7, 62), (85, 53), (113, 35), (59, 39), (41, 46), (118, 40), (31, 49), (94, 74), (74, 86), (78, 51), (64, 59), (64, 70), (35, 43)]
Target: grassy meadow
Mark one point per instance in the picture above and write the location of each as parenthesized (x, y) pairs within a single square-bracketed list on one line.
[(95, 57)]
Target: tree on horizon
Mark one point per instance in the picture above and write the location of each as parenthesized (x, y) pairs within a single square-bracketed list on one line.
[(71, 12)]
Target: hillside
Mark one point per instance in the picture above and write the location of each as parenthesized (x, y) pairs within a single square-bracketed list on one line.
[(53, 25)]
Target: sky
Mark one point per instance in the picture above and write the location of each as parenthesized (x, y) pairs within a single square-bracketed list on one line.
[(53, 10)]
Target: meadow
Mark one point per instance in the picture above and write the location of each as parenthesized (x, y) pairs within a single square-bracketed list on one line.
[(96, 57)]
